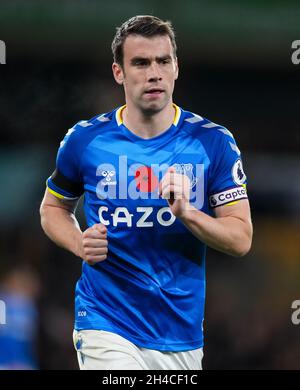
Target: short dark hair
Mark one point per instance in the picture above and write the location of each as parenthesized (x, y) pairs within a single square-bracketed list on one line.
[(144, 25)]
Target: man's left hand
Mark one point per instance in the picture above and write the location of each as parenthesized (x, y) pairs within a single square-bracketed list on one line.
[(175, 188)]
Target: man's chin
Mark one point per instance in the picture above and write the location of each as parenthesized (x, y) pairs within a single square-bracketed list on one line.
[(152, 108)]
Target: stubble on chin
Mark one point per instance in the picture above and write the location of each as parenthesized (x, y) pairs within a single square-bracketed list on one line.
[(149, 109)]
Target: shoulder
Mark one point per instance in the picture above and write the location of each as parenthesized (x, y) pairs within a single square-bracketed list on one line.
[(85, 130), (96, 123), (204, 129)]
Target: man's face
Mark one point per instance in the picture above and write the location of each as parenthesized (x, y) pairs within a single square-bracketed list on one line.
[(149, 72)]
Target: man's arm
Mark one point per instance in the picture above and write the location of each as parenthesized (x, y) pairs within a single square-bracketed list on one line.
[(61, 226), (230, 232)]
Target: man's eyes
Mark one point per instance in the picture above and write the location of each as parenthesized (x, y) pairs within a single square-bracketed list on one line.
[(147, 63), (165, 61), (141, 63)]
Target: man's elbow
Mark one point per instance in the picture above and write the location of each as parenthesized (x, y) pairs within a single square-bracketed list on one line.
[(242, 248), (241, 251), (46, 216), (43, 216), (242, 245)]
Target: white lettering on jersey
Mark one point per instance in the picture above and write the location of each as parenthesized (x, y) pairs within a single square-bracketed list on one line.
[(127, 218), (122, 215), (102, 220), (162, 221), (142, 221)]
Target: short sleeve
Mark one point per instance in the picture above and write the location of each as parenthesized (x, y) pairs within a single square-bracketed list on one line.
[(65, 182), (227, 180)]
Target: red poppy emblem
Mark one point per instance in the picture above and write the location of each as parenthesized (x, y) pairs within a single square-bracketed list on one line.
[(146, 180)]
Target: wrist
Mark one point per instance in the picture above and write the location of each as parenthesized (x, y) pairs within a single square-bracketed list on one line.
[(78, 246), (187, 212)]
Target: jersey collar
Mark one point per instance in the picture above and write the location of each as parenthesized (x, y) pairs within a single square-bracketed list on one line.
[(119, 117)]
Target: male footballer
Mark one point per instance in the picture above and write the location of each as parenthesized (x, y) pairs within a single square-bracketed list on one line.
[(160, 184)]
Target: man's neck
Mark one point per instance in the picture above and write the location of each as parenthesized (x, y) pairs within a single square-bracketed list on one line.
[(148, 126)]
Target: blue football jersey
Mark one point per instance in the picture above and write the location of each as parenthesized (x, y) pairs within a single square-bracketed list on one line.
[(151, 287)]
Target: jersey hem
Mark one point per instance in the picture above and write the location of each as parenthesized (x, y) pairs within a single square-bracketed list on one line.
[(174, 347)]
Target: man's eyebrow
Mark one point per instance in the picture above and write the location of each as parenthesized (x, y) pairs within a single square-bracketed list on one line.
[(165, 57), (135, 59), (161, 58)]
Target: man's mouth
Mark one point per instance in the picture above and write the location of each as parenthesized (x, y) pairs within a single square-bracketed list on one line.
[(154, 91)]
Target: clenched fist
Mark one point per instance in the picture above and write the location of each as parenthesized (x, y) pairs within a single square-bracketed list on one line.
[(94, 244), (175, 188)]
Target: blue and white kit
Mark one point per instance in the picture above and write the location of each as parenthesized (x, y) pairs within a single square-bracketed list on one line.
[(151, 287)]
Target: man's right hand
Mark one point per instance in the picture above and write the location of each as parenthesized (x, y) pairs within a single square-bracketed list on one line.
[(94, 244)]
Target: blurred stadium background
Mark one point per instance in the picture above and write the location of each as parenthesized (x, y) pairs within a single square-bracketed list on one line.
[(236, 69)]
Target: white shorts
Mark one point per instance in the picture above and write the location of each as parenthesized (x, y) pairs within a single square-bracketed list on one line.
[(101, 350)]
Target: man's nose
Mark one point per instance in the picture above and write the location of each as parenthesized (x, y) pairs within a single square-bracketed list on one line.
[(154, 73)]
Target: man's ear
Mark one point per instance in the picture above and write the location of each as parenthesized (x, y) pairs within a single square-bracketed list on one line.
[(118, 73), (176, 68)]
